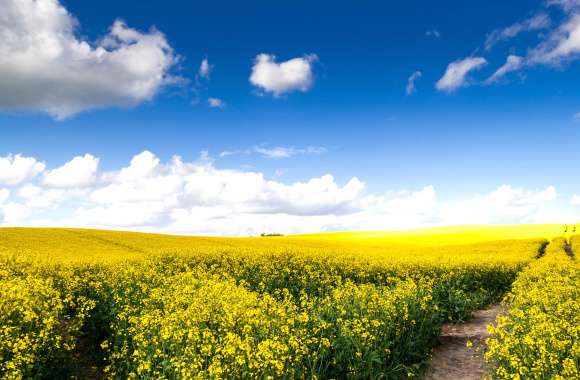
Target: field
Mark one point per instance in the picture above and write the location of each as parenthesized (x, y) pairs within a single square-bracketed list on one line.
[(101, 304)]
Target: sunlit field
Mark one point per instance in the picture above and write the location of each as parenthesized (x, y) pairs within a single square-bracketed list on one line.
[(101, 304)]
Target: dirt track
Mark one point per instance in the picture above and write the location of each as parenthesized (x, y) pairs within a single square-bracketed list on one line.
[(453, 359)]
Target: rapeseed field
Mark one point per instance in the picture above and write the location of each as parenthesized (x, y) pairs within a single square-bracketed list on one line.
[(539, 336), (101, 304)]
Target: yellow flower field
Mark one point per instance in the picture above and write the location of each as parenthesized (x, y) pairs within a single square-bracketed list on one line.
[(539, 336), (81, 303)]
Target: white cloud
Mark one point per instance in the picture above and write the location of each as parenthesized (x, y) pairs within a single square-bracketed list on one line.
[(456, 74), (199, 198), (122, 215), (36, 196), (536, 22), (567, 5), (557, 47), (156, 186), (215, 103), (575, 201), (512, 63), (143, 165), (287, 152), (204, 69), (15, 214), (276, 152), (39, 197), (403, 209), (504, 206), (16, 169), (79, 172), (279, 78), (410, 89), (227, 153), (523, 197), (177, 188), (46, 67), (560, 46), (576, 116)]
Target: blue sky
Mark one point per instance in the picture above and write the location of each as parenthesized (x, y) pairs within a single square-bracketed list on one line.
[(352, 117)]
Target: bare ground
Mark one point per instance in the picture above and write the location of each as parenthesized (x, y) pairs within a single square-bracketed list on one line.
[(453, 360)]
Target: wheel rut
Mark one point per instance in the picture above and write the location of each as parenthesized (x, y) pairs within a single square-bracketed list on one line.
[(452, 359)]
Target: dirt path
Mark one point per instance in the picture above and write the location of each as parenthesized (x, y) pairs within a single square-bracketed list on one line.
[(452, 360)]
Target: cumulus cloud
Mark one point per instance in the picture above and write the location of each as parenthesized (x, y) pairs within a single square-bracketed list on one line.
[(147, 192), (505, 205), (523, 197), (536, 22), (215, 103), (410, 88), (513, 63), (142, 165), (41, 197), (575, 200), (46, 67), (279, 78), (199, 198), (17, 169), (79, 172), (456, 74)]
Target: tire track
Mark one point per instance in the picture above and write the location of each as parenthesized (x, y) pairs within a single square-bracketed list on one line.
[(453, 359)]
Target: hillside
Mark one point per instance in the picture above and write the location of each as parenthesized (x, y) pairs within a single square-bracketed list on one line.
[(106, 304)]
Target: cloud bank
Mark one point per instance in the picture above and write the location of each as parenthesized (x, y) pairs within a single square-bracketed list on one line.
[(200, 198)]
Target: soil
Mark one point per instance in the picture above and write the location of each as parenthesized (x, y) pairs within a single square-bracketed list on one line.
[(452, 359)]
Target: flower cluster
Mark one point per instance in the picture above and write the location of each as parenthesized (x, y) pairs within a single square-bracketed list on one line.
[(539, 335), (38, 327)]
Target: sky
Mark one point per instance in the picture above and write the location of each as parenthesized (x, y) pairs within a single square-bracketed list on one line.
[(229, 118)]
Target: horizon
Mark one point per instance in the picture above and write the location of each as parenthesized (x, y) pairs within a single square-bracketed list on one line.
[(452, 229), (230, 119)]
